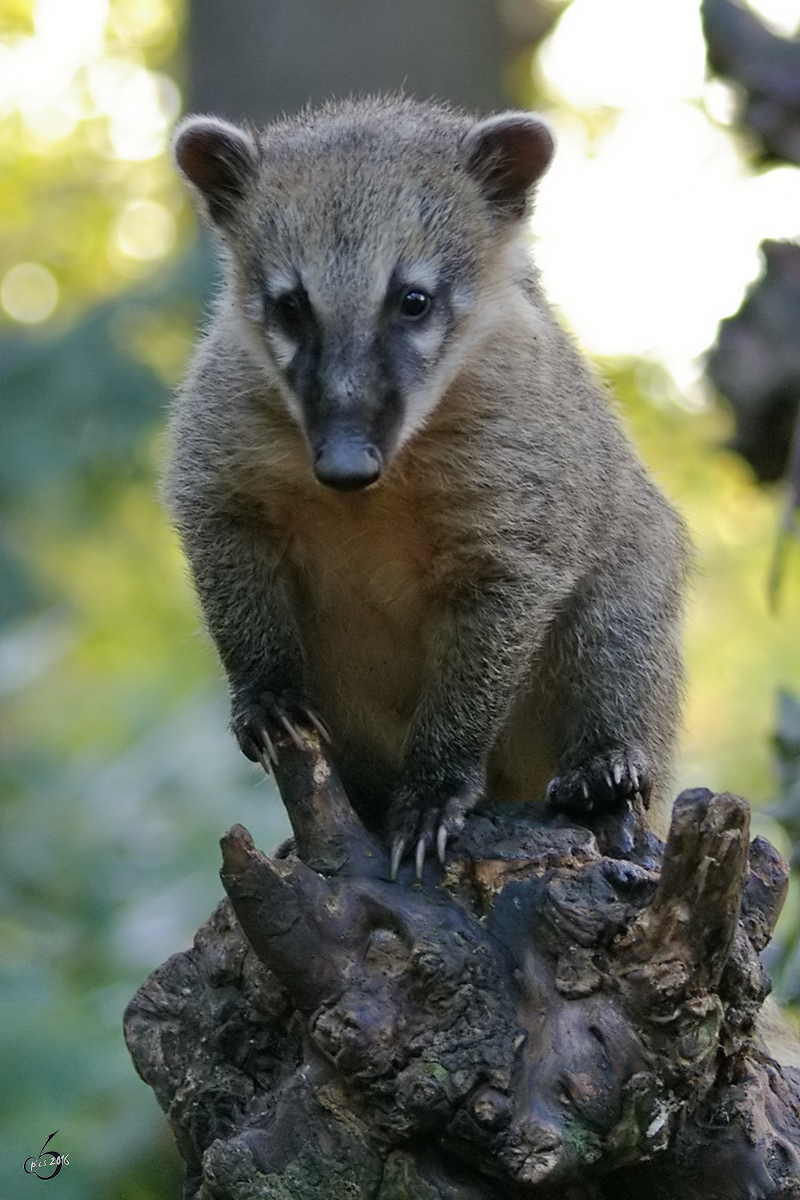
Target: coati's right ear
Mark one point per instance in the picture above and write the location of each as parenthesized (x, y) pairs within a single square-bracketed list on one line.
[(507, 154), (219, 159)]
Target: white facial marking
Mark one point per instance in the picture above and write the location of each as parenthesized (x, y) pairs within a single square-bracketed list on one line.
[(253, 307), (482, 312), (284, 279), (419, 275), (426, 338), (277, 283), (283, 348), (462, 299)]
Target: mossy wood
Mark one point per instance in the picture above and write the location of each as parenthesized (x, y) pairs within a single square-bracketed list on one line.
[(559, 1012)]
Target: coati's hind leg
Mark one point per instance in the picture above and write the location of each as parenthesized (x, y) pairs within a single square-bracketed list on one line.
[(619, 664)]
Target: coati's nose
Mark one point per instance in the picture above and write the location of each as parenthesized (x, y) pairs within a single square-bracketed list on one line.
[(347, 466)]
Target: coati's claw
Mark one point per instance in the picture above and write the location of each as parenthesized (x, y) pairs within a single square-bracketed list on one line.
[(419, 857), (424, 841), (270, 753), (319, 725), (398, 847), (428, 829), (292, 731), (261, 723), (605, 783)]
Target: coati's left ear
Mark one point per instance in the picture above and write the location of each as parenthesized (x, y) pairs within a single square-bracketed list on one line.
[(507, 154), (219, 159)]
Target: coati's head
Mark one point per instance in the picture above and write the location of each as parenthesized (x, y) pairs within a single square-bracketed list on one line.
[(362, 239)]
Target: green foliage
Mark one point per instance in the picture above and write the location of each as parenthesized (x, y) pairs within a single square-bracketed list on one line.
[(73, 403)]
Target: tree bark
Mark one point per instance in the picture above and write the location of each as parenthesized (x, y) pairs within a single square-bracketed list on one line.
[(559, 1012)]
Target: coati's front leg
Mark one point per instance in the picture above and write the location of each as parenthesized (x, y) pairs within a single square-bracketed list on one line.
[(622, 678), (249, 617), (486, 641)]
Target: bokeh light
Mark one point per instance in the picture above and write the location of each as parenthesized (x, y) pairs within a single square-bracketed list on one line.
[(66, 73), (29, 293), (86, 108), (145, 230)]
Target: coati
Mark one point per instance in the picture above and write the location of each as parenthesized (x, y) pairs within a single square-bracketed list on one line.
[(411, 515)]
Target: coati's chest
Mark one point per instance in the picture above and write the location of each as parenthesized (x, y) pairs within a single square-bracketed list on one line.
[(368, 576)]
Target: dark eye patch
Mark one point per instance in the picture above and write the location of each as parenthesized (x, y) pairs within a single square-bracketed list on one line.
[(291, 312)]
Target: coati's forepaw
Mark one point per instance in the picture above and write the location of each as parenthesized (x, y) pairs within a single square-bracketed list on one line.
[(419, 830), (261, 725), (605, 783)]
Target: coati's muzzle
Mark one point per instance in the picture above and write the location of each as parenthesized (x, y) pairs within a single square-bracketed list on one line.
[(347, 463), (351, 410)]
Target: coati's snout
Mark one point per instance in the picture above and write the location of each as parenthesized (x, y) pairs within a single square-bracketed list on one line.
[(350, 442), (347, 464), (348, 415), (341, 390)]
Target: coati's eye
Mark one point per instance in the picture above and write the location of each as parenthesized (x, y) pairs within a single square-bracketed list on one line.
[(415, 304), (288, 312)]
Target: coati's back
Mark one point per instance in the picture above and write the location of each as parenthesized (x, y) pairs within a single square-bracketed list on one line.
[(408, 509)]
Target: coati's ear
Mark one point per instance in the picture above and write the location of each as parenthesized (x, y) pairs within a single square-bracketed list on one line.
[(219, 159), (507, 154)]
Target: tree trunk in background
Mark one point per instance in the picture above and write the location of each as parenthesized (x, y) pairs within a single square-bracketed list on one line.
[(259, 58)]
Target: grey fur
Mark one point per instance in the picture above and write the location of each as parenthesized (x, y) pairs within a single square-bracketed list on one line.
[(496, 602)]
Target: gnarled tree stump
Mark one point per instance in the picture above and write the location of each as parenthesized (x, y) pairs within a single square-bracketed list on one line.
[(559, 1012)]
